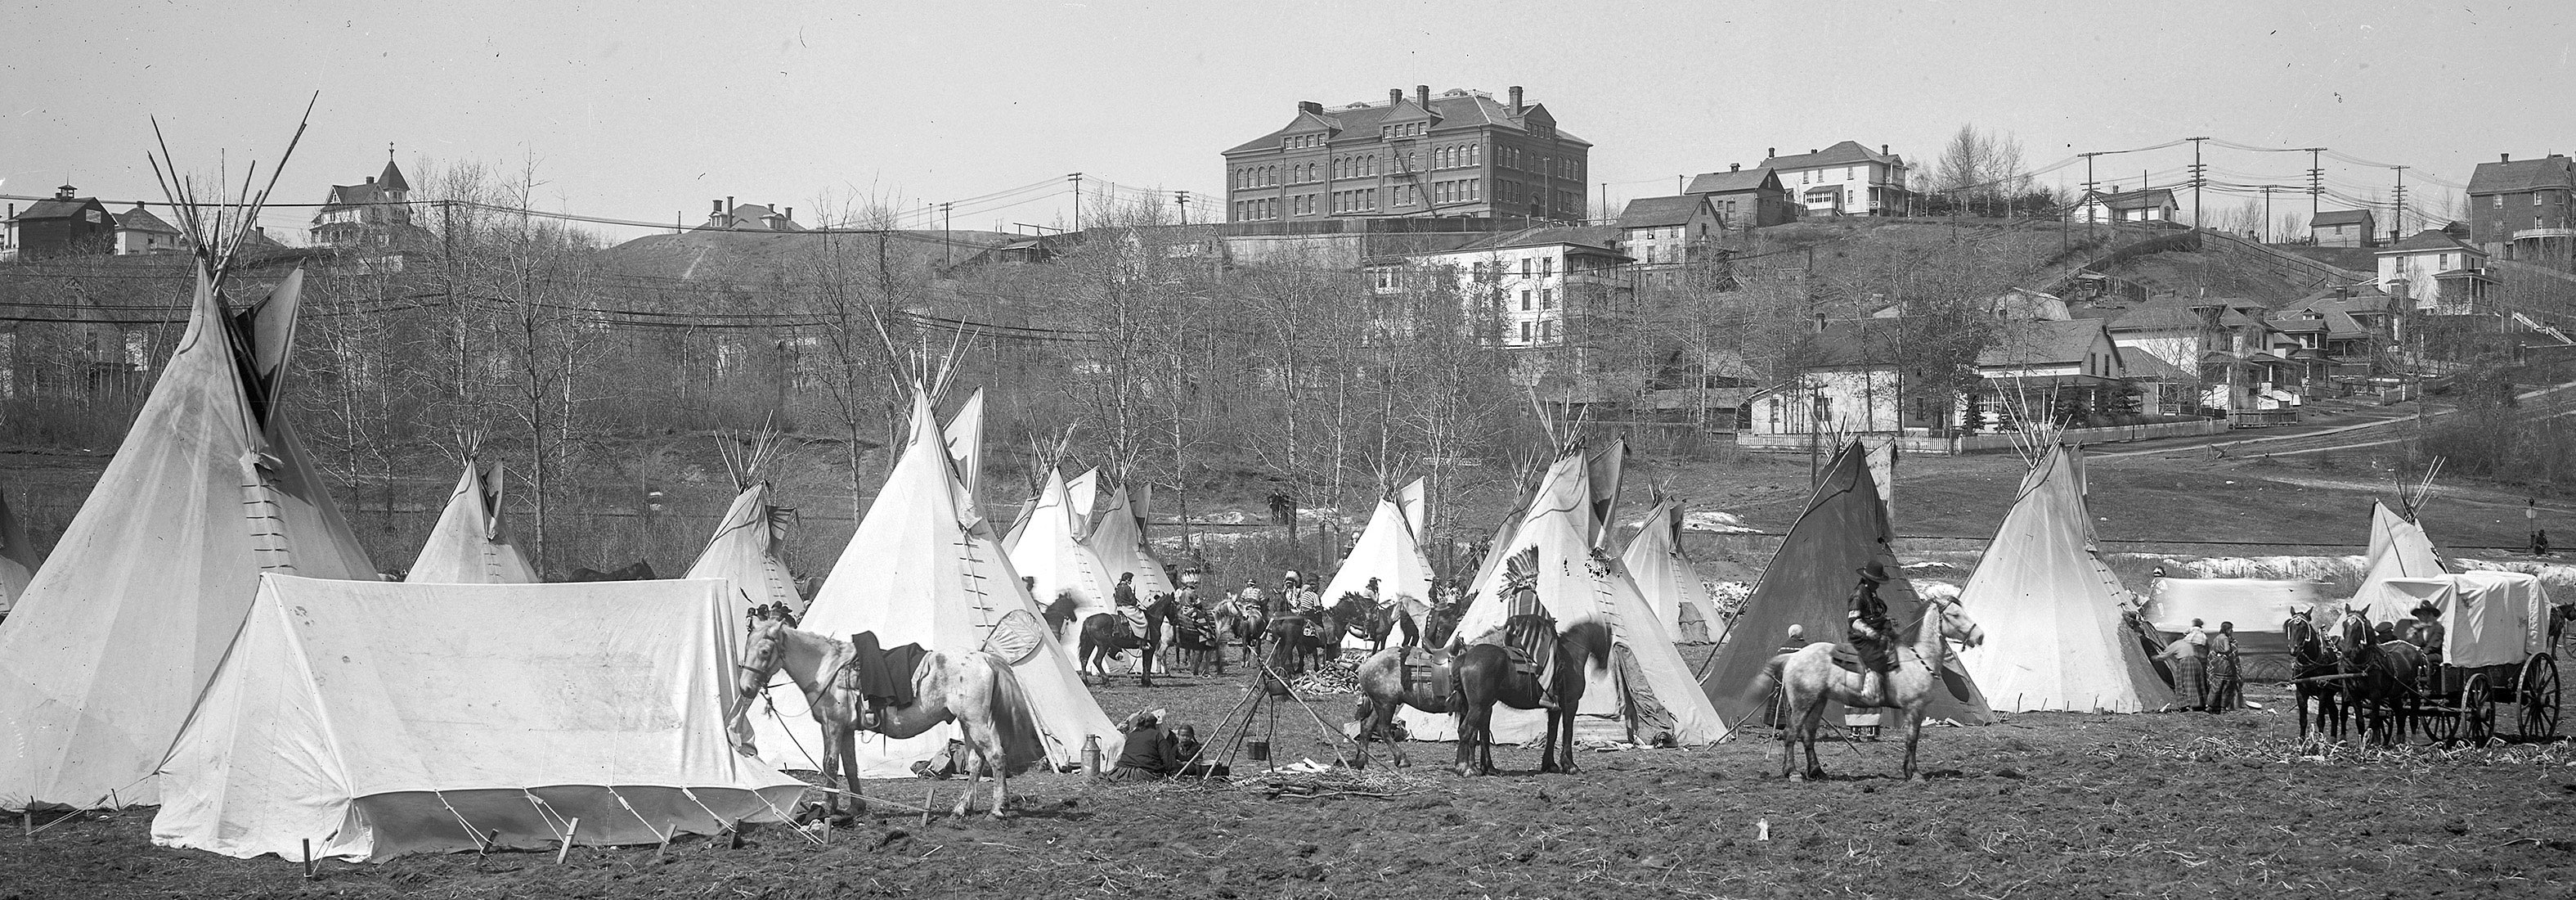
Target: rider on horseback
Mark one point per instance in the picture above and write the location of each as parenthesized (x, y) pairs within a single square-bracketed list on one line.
[(1872, 635)]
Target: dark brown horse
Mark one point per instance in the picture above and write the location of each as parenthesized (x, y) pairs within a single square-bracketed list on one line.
[(2382, 691), (1202, 646), (1482, 675), (1243, 621), (1104, 635), (2315, 672), (1355, 616)]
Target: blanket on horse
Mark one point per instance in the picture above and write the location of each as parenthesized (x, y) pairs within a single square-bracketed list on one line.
[(1421, 667), (1530, 642), (1135, 616), (883, 675)]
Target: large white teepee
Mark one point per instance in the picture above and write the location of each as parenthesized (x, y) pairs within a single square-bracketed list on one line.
[(1046, 548), (1671, 584), (1648, 691), (2051, 609), (1387, 551), (1119, 541), (117, 634), (918, 570), (469, 544), (18, 559), (2398, 549), (379, 719)]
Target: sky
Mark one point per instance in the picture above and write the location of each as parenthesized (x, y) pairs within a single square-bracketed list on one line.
[(647, 111)]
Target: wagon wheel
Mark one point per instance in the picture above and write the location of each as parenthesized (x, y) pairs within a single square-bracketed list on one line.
[(2441, 721), (2477, 710), (2536, 698)]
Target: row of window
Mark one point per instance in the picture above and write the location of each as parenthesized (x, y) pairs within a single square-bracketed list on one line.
[(2536, 199), (1456, 156), (1407, 129), (1256, 210), (1546, 298), (1457, 191), (1850, 173), (1354, 201), (1301, 141), (1546, 331)]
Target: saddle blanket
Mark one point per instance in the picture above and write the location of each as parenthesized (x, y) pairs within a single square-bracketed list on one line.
[(882, 674), (1135, 616), (1423, 668)]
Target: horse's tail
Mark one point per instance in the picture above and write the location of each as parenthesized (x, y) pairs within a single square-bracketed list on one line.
[(1769, 680), (1015, 722)]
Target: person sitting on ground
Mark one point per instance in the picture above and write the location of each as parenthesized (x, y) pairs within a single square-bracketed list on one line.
[(2426, 631), (1148, 754), (2226, 683)]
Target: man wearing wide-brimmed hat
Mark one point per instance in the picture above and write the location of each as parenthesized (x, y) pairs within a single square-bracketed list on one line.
[(1872, 635), (2426, 631)]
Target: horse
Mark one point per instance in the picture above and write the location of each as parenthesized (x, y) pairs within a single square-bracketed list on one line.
[(1810, 678), (1061, 610), (2382, 678), (1481, 675), (1355, 615), (975, 690), (639, 570), (1105, 634), (1384, 687), (2313, 667), (1245, 621), (1203, 648)]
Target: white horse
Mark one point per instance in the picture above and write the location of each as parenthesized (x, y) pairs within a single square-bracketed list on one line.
[(1809, 677), (976, 690)]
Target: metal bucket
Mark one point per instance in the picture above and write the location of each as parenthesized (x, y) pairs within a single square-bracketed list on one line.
[(1257, 749)]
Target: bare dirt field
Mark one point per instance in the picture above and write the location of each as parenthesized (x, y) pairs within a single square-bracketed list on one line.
[(2054, 805)]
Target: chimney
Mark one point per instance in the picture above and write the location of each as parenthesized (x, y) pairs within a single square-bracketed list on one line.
[(1769, 152), (1811, 151), (789, 215), (2504, 157), (1516, 99), (1422, 95), (371, 179), (1882, 150), (1310, 107), (1734, 167), (1395, 96)]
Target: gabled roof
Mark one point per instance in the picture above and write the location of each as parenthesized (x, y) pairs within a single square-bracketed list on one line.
[(57, 208), (1842, 154), (2038, 342), (2431, 240), (1655, 212), (2553, 171), (1454, 109), (2342, 217), (1597, 237), (140, 219), (2150, 367), (1732, 182), (392, 178), (2147, 198)]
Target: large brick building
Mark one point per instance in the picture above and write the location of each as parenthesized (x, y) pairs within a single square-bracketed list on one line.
[(1457, 154), (2519, 210)]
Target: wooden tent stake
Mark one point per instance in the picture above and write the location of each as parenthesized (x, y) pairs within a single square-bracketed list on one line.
[(571, 829)]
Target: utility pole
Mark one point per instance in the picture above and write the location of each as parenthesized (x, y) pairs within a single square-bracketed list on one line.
[(2398, 214), (2316, 187), (1183, 199), (1076, 178), (2267, 214), (2196, 170), (1605, 201), (2089, 211), (946, 239)]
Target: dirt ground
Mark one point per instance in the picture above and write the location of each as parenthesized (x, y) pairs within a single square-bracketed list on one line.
[(2053, 805)]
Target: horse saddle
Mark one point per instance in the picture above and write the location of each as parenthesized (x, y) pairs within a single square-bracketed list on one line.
[(1855, 659), (1420, 666), (1529, 641), (883, 675)]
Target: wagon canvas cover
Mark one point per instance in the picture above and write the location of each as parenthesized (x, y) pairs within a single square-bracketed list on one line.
[(2488, 618)]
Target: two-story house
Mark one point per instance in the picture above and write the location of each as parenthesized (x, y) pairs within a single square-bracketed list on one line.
[(2223, 339), (2435, 271), (1533, 281), (2333, 334), (1746, 198), (2344, 228), (1654, 230), (1844, 179), (139, 231), (66, 225), (374, 216), (1460, 153), (2115, 205), (2521, 210)]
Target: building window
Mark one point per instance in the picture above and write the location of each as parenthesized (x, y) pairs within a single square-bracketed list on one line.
[(1547, 267), (1547, 298), (1547, 330), (1525, 332), (1525, 298)]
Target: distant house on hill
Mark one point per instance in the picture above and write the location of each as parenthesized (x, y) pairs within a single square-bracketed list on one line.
[(1534, 279), (2344, 228), (139, 231), (373, 216), (726, 216), (1747, 198), (2148, 205), (1844, 179), (2333, 334), (66, 225), (1669, 229), (2226, 340), (2437, 272), (2525, 210), (2060, 368)]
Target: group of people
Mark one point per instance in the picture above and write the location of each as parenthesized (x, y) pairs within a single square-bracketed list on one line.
[(2209, 674)]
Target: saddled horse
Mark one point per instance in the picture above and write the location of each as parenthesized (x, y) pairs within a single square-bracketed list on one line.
[(2382, 689), (1483, 675), (1104, 635), (2315, 670), (976, 690), (1809, 679), (1243, 621), (1355, 616), (1201, 648)]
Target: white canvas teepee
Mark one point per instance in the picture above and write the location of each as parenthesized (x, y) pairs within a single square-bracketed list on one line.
[(2051, 609), (378, 719), (18, 559), (469, 545), (1666, 577), (1081, 498), (919, 571), (2398, 549), (117, 634), (1388, 552), (1119, 541), (1649, 691), (1048, 551)]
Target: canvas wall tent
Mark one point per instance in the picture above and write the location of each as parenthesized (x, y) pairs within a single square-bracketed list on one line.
[(921, 569), (1387, 551), (2398, 549), (18, 559), (1648, 693), (378, 719), (2052, 611), (1119, 543), (1049, 550), (469, 544), (1809, 584), (2256, 606), (117, 634), (1670, 583)]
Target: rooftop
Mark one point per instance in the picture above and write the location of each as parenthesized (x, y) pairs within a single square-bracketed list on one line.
[(2517, 175), (1843, 154), (1654, 212), (1733, 181), (1452, 109)]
